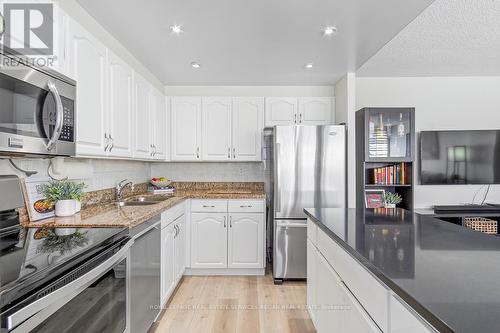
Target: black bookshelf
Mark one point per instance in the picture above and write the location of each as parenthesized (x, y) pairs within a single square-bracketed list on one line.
[(385, 153)]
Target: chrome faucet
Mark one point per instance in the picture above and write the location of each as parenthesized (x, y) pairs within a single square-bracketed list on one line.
[(120, 187)]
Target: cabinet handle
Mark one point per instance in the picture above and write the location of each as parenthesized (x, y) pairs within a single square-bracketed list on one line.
[(295, 118), (300, 118), (230, 221), (112, 142), (197, 152), (107, 141), (224, 221), (208, 206), (246, 206), (228, 152), (234, 152)]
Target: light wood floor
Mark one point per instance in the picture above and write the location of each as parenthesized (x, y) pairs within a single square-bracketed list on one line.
[(236, 304)]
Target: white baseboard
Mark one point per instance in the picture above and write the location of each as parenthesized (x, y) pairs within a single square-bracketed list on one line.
[(225, 271)]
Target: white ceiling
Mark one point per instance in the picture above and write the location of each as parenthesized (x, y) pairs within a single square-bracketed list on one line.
[(450, 38), (253, 42)]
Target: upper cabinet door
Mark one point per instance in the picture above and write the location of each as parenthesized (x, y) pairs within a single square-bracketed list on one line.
[(143, 128), (281, 111), (186, 128), (216, 120), (315, 111), (120, 108), (248, 123), (87, 63), (158, 112)]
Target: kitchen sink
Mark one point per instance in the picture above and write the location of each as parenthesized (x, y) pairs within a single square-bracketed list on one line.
[(141, 201)]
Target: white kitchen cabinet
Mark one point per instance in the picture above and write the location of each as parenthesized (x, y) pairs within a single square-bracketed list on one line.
[(179, 248), (355, 318), (315, 111), (143, 127), (312, 280), (246, 240), (167, 262), (158, 125), (248, 123), (185, 128), (209, 240), (330, 299), (404, 320), (227, 234), (216, 130), (120, 108), (281, 111), (87, 65)]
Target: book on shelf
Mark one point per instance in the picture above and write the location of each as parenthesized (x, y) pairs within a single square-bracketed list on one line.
[(395, 174)]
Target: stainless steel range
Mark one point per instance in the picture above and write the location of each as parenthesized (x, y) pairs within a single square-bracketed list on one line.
[(62, 279)]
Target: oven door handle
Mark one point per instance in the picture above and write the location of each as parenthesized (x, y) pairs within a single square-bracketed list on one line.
[(59, 116), (36, 312)]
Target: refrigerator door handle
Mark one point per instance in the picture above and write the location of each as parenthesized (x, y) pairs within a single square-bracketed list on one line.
[(277, 206), (291, 224)]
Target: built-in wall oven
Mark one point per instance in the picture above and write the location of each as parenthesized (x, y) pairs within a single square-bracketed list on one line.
[(38, 110)]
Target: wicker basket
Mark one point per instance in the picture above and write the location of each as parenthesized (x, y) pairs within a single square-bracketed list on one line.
[(481, 224)]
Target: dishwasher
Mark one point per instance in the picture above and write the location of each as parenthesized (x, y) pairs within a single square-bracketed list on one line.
[(145, 275)]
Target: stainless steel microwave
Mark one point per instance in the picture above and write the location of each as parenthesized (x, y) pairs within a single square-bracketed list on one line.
[(37, 115)]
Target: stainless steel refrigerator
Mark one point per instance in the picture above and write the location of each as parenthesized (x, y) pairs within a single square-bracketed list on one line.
[(309, 171)]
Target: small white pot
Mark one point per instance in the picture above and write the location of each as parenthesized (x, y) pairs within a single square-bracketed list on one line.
[(66, 207), (78, 206), (390, 206)]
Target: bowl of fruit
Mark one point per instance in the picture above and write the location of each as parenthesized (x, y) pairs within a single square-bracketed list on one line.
[(160, 182)]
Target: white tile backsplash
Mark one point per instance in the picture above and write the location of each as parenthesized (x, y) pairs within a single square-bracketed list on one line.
[(100, 175), (210, 171)]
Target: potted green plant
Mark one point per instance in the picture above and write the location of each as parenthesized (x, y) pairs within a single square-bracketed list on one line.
[(391, 199), (65, 194)]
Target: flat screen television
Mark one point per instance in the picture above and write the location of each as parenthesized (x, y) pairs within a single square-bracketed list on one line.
[(460, 157)]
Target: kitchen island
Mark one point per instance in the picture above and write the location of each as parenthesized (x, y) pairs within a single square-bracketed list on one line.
[(396, 271)]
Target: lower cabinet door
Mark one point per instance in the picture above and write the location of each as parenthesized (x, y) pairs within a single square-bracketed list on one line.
[(180, 248), (330, 299), (312, 280), (209, 240), (167, 261), (246, 240)]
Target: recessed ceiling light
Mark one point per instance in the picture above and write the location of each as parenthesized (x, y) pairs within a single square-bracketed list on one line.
[(309, 65), (195, 64), (328, 31), (176, 29)]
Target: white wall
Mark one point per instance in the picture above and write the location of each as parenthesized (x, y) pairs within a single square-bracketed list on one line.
[(441, 103), (345, 108), (261, 91)]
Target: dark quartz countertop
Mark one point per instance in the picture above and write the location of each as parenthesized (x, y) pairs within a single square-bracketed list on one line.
[(450, 275)]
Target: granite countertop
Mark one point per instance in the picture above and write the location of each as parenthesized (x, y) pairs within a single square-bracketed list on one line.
[(445, 272), (110, 215)]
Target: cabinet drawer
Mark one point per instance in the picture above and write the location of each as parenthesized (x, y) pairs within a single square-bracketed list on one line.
[(312, 232), (403, 320), (372, 295), (172, 214), (246, 206), (209, 206)]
